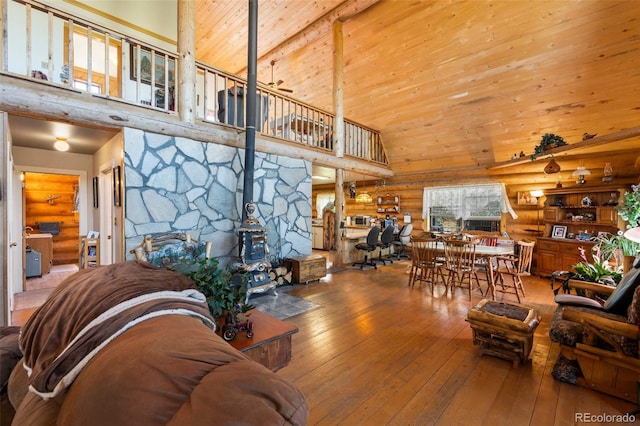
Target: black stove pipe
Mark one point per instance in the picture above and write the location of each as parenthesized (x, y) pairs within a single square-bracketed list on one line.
[(250, 98)]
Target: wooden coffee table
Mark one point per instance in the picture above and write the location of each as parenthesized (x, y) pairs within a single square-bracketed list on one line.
[(271, 341)]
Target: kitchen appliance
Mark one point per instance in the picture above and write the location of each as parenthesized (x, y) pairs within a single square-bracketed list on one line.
[(34, 263), (362, 220)]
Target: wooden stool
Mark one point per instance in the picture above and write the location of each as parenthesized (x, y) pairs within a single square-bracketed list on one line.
[(503, 329)]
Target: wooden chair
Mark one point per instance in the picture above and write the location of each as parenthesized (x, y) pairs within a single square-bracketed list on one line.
[(426, 263), (460, 263), (488, 239), (515, 267), (599, 342)]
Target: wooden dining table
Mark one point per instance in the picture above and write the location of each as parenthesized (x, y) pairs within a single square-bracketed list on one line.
[(489, 253)]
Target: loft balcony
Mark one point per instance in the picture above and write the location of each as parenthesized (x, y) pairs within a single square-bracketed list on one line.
[(59, 51)]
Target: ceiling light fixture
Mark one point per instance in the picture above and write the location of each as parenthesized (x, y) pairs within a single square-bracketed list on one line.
[(364, 197), (61, 144), (581, 172)]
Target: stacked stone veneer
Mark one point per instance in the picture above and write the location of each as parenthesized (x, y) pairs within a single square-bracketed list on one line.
[(181, 185)]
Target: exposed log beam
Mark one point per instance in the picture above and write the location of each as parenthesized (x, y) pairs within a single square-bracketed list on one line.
[(319, 28), (47, 102)]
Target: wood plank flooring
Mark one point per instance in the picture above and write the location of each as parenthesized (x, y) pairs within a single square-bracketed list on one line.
[(378, 352)]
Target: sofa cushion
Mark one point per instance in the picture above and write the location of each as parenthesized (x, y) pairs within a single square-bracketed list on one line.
[(10, 352), (618, 302)]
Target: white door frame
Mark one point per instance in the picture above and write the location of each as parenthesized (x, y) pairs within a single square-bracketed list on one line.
[(105, 191)]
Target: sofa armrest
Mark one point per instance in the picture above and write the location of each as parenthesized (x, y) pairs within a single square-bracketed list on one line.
[(617, 327), (590, 288), (612, 329)]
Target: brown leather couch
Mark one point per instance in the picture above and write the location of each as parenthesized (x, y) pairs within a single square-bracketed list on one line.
[(126, 344)]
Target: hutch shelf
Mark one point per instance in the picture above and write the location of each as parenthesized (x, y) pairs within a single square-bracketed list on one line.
[(573, 218)]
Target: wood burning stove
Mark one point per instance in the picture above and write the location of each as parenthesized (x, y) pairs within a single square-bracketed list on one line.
[(254, 253)]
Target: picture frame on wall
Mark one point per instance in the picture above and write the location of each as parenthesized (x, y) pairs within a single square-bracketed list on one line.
[(117, 188), (95, 193), (145, 67), (526, 199), (559, 231)]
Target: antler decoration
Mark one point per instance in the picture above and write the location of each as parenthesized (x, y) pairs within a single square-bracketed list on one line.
[(50, 198)]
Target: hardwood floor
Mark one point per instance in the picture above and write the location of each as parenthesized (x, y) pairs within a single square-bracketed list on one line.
[(378, 352)]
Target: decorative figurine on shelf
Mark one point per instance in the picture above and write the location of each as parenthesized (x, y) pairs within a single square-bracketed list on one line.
[(515, 156), (587, 136), (522, 154), (586, 201), (352, 190)]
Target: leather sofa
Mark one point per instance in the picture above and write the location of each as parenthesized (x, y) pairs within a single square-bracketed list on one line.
[(133, 344)]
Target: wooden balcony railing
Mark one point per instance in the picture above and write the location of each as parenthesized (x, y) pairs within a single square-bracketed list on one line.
[(59, 49)]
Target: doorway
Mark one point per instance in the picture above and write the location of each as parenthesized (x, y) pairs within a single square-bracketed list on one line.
[(51, 223)]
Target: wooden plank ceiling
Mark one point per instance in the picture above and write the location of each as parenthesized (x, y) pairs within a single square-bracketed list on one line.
[(454, 86)]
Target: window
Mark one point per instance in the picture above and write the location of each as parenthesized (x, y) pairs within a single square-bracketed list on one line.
[(454, 208), (322, 200)]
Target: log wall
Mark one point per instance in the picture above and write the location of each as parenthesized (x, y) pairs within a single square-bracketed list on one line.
[(37, 188), (410, 194)]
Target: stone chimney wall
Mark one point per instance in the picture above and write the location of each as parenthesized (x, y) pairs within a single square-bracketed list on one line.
[(181, 185)]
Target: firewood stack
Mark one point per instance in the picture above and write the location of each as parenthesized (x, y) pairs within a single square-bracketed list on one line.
[(280, 275)]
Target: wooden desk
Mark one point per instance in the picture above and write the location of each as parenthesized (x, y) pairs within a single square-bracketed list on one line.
[(271, 341)]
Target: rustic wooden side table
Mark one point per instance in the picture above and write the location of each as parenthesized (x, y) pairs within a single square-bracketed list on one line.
[(504, 329), (271, 341)]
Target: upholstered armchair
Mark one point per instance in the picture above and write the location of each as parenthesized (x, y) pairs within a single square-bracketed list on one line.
[(598, 333)]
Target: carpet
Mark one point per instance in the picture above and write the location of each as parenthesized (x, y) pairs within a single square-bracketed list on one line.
[(281, 306)]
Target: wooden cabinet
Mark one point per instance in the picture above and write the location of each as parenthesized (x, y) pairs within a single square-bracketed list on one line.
[(307, 268), (271, 341), (559, 254), (573, 217), (317, 237)]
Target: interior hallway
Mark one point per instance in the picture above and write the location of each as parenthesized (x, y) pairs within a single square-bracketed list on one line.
[(37, 291)]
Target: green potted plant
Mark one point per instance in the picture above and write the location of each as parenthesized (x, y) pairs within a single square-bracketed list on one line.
[(619, 248), (549, 141), (597, 271), (225, 294), (629, 207)]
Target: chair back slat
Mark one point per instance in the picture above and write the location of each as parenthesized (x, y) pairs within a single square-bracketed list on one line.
[(459, 255), (525, 256)]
